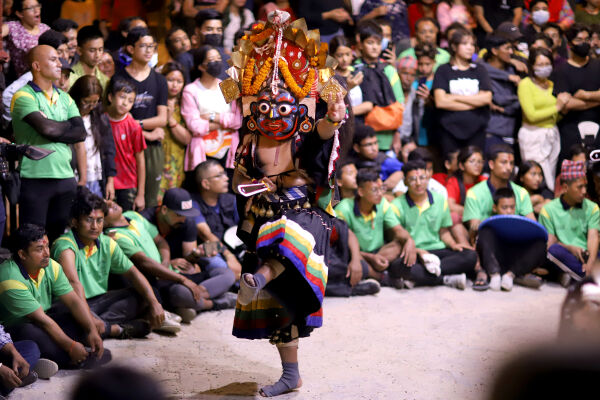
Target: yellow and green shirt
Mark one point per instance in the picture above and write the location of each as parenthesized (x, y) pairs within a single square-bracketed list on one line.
[(479, 201), (570, 224)]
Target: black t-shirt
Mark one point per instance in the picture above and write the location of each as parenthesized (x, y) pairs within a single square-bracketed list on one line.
[(498, 11), (462, 124), (151, 93), (185, 233)]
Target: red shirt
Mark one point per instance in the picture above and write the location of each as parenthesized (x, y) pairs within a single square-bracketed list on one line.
[(454, 190), (129, 140), (441, 177), (415, 13)]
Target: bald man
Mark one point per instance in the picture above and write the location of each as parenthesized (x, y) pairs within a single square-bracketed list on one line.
[(47, 117)]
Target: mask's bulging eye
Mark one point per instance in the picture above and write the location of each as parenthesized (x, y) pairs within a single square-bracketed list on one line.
[(264, 108), (285, 109)]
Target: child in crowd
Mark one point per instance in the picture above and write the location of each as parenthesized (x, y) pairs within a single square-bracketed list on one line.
[(96, 155), (346, 179), (340, 48), (129, 143), (531, 177), (450, 168), (426, 216), (572, 222)]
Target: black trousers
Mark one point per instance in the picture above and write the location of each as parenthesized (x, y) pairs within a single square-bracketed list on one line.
[(452, 263), (497, 256), (47, 203), (450, 143), (117, 306)]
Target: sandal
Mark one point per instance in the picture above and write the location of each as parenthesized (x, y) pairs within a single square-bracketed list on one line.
[(481, 282)]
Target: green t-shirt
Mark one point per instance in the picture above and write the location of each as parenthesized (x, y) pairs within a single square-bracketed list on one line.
[(61, 107), (20, 295), (441, 57), (77, 72), (479, 201), (369, 229), (424, 222), (95, 263), (570, 224)]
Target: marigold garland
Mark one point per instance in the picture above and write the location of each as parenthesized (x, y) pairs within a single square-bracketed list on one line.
[(249, 87), (261, 36), (300, 93)]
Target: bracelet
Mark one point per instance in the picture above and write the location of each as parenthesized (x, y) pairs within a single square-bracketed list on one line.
[(336, 123)]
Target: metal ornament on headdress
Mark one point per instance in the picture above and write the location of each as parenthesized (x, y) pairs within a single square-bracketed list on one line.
[(278, 19)]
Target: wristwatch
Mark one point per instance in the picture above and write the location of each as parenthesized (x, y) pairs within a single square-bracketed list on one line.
[(211, 117), (142, 124)]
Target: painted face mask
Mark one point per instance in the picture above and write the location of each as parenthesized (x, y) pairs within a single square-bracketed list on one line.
[(278, 117)]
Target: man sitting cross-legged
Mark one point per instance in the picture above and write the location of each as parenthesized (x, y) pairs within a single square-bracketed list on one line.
[(88, 257), (426, 216), (140, 241), (31, 283)]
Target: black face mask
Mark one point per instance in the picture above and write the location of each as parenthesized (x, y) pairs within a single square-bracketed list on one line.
[(213, 39), (581, 50), (214, 68)]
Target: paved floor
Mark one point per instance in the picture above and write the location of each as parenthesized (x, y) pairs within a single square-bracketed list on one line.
[(427, 343)]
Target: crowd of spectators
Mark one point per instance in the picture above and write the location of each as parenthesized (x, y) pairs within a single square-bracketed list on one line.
[(463, 110)]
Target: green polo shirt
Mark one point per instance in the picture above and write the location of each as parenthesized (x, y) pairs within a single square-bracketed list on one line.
[(93, 263), (570, 224), (61, 107), (369, 229), (77, 72), (479, 201), (424, 222), (20, 294)]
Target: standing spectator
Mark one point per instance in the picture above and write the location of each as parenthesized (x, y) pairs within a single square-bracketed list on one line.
[(328, 16), (177, 136), (116, 39), (235, 17), (150, 107), (581, 78), (47, 185), (68, 28), (531, 177), (107, 64), (396, 12), (505, 103), (129, 142), (427, 31), (462, 94), (491, 13), (418, 10), (177, 42), (90, 47), (99, 145), (560, 11), (539, 138), (451, 11), (539, 16), (595, 41), (559, 50), (341, 50), (212, 122), (22, 35)]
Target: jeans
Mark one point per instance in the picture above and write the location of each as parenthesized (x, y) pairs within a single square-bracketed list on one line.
[(29, 351), (567, 259), (116, 306), (216, 281)]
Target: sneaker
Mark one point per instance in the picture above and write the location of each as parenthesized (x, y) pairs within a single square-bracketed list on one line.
[(366, 287), (169, 326), (529, 280), (138, 328), (93, 362), (29, 379), (173, 316), (186, 314), (458, 281), (45, 368), (495, 282), (507, 282), (225, 301)]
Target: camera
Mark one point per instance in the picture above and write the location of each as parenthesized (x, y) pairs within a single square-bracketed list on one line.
[(9, 178)]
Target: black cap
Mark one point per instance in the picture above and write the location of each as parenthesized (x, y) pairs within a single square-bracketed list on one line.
[(509, 31), (179, 201)]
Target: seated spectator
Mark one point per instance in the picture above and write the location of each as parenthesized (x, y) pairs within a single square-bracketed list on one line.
[(367, 154), (177, 42), (218, 211), (426, 217), (88, 257), (531, 177), (96, 155), (451, 11), (369, 216), (37, 282), (340, 49), (177, 136), (479, 201), (418, 119), (589, 13), (539, 139), (396, 12), (90, 47), (186, 294), (505, 107), (421, 153), (427, 31), (346, 179), (129, 142), (462, 94), (68, 28), (577, 152), (22, 34), (506, 261), (235, 17), (418, 10), (212, 122), (450, 168), (572, 222)]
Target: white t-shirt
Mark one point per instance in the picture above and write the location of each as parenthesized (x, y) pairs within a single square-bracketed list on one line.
[(94, 162), (234, 25)]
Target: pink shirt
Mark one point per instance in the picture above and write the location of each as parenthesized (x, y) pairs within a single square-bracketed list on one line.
[(19, 42)]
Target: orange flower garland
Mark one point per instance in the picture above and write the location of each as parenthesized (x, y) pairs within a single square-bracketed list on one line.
[(249, 87), (300, 93), (261, 36)]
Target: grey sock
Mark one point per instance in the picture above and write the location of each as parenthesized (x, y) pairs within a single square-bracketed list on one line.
[(288, 381)]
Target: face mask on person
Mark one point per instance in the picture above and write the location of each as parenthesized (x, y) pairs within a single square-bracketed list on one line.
[(543, 72), (214, 68), (540, 17), (213, 39), (581, 50)]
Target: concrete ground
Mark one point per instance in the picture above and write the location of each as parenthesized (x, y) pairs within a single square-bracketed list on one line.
[(426, 343)]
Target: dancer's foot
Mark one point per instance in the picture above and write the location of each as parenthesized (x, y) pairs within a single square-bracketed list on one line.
[(290, 380), (250, 285)]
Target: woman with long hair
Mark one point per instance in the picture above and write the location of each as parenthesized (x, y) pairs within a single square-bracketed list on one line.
[(531, 177)]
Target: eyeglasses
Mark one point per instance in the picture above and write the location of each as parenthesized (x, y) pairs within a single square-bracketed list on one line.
[(148, 46), (33, 8), (414, 179)]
